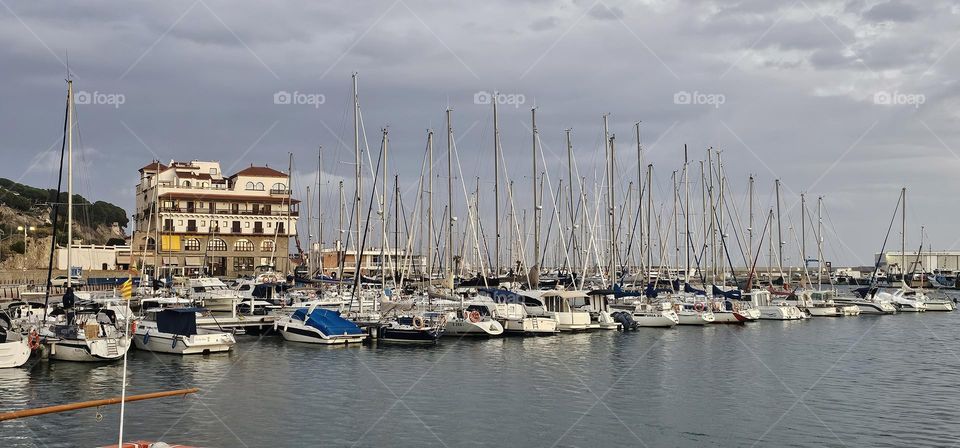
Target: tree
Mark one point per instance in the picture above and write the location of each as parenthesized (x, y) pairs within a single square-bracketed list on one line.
[(116, 242)]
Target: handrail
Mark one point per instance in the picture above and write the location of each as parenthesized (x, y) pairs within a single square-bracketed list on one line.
[(92, 403)]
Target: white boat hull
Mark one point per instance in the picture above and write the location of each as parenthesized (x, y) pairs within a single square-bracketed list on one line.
[(14, 353), (572, 321), (92, 350), (729, 317), (464, 327), (530, 325), (939, 305), (154, 341), (656, 321), (294, 330), (696, 317), (780, 312)]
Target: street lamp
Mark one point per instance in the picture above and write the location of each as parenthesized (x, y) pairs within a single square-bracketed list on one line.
[(24, 230)]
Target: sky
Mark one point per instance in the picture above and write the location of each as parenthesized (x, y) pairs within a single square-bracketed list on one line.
[(850, 100)]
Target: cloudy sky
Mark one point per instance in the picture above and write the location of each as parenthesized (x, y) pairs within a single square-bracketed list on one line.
[(850, 100)]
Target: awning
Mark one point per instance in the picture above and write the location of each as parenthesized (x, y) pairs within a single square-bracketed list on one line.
[(193, 261), (171, 261)]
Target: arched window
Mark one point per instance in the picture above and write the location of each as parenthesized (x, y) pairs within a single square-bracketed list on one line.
[(191, 244), (216, 244), (251, 186), (151, 243), (267, 246), (186, 183), (243, 246), (280, 187), (259, 186)]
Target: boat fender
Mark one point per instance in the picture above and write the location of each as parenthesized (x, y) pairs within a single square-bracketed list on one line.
[(33, 341), (174, 344), (146, 337), (133, 326)]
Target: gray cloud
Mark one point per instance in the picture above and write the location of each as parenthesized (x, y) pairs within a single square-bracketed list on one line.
[(892, 11), (796, 96)]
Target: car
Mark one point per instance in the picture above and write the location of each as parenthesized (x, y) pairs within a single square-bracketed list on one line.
[(61, 280)]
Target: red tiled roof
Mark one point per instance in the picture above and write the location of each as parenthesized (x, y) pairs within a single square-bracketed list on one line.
[(259, 171), (154, 166), (208, 196), (192, 175)]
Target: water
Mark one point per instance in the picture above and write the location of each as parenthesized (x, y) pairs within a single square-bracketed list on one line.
[(862, 381)]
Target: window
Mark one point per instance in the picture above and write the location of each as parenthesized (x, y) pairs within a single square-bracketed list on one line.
[(259, 186), (217, 244), (203, 223), (186, 183), (267, 245), (243, 246), (242, 264), (251, 186), (279, 186), (151, 244), (179, 222), (269, 225), (191, 244), (246, 225), (213, 171)]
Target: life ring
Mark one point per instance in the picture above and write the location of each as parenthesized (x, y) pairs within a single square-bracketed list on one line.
[(418, 322), (699, 307), (33, 340), (474, 316)]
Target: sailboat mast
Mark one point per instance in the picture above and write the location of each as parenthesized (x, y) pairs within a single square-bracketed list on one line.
[(570, 209), (319, 209), (610, 218), (359, 191), (430, 206), (649, 219), (496, 188), (613, 213), (686, 216), (639, 223), (69, 180), (779, 229), (750, 223), (803, 229), (903, 236), (819, 243), (536, 197), (450, 221), (383, 214)]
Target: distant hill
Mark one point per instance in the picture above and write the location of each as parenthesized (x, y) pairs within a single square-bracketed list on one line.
[(27, 199), (26, 206)]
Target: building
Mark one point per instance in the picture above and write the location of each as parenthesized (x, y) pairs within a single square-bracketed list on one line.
[(893, 262), (192, 218), (370, 264), (90, 257)]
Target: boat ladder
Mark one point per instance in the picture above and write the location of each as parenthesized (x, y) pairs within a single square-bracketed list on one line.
[(112, 347)]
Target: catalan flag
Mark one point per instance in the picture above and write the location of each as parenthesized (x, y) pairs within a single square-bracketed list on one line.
[(126, 289)]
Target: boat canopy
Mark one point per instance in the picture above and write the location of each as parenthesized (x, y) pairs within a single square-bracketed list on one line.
[(690, 289), (506, 296), (733, 294), (178, 321), (328, 322)]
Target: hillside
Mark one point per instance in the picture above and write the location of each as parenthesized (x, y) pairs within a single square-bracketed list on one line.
[(25, 206)]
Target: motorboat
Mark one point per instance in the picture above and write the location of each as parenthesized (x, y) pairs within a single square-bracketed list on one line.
[(212, 294), (476, 319), (557, 304), (774, 310), (175, 331), (520, 314), (317, 325), (415, 329), (655, 314)]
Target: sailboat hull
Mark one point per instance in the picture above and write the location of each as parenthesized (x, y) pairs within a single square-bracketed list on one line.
[(14, 353), (83, 350)]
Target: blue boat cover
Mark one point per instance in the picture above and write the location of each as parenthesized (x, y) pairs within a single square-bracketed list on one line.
[(178, 321), (733, 294), (690, 289), (328, 322)]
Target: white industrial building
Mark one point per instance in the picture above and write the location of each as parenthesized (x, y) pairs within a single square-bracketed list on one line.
[(91, 257)]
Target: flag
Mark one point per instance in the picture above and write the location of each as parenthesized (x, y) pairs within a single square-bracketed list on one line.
[(126, 289)]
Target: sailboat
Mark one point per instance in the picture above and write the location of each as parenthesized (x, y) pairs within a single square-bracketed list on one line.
[(100, 329), (15, 346)]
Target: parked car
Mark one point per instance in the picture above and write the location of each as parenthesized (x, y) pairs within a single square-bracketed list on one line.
[(61, 280)]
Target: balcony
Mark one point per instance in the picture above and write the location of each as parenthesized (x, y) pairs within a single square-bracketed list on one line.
[(191, 228), (205, 211), (280, 192)]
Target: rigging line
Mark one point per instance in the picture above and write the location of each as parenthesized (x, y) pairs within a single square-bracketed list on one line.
[(470, 211)]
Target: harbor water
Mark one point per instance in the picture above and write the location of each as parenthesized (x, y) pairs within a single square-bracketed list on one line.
[(860, 381)]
